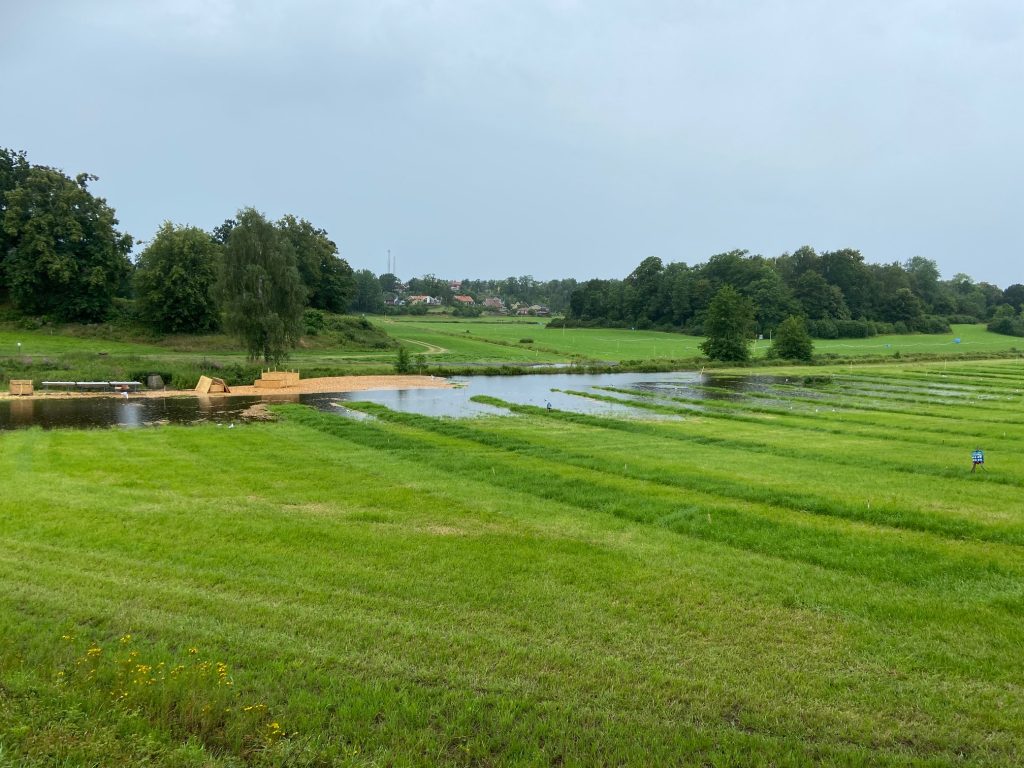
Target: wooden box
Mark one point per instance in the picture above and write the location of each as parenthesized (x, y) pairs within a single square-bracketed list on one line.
[(22, 387)]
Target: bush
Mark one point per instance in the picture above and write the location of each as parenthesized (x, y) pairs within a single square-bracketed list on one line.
[(962, 319), (823, 329), (403, 362), (791, 341), (1008, 326), (931, 324), (854, 329), (526, 341), (313, 321)]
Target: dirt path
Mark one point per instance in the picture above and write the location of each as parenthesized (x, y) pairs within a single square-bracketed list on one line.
[(432, 349)]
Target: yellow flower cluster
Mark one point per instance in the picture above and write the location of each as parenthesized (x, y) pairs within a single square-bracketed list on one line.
[(133, 682)]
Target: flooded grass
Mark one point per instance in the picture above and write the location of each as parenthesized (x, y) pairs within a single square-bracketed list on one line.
[(747, 584)]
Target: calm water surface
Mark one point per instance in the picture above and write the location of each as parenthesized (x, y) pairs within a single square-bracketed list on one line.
[(537, 389)]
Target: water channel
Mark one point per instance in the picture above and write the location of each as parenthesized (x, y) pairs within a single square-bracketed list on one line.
[(536, 389)]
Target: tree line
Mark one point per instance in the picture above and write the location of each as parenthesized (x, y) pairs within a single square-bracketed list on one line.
[(62, 256), (836, 292)]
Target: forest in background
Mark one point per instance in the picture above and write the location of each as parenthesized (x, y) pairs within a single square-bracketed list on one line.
[(839, 294), (63, 259)]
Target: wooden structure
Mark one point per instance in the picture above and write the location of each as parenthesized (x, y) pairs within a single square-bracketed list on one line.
[(22, 387), (277, 380), (211, 385)]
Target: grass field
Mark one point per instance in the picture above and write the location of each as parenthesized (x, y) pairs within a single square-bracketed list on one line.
[(104, 353), (521, 340), (803, 575)]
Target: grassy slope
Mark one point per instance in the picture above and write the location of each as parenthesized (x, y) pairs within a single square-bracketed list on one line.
[(765, 582), (105, 352)]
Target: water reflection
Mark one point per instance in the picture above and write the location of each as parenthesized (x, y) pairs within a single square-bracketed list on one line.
[(537, 390)]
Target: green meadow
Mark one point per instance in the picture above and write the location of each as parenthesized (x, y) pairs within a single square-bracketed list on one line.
[(807, 573), (444, 339), (78, 353)]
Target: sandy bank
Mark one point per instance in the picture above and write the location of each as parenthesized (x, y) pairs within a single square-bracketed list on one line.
[(327, 384)]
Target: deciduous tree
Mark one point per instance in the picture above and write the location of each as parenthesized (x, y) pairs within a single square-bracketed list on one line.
[(791, 340), (175, 281), (369, 296), (328, 277), (728, 326), (263, 295), (63, 255)]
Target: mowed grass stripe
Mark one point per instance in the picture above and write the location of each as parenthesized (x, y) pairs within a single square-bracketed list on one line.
[(925, 410), (710, 472), (924, 431), (159, 598), (876, 449), (616, 643), (778, 532)]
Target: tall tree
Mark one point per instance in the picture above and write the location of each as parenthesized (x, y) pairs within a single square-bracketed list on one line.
[(263, 295), (728, 326), (14, 167), (773, 301), (327, 277), (175, 280), (845, 270), (222, 232), (818, 298), (642, 290), (904, 306), (64, 256), (389, 282), (368, 295), (923, 275), (1014, 296)]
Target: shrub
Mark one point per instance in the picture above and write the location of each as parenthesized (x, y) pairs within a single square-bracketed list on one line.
[(931, 324), (854, 329), (823, 329), (791, 341), (403, 362), (313, 322)]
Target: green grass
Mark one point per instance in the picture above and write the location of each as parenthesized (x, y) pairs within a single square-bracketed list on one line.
[(450, 340), (106, 352), (765, 581)]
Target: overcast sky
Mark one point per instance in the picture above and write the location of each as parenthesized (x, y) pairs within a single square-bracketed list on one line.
[(545, 137)]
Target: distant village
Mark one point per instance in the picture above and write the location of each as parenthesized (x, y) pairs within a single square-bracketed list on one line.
[(401, 297)]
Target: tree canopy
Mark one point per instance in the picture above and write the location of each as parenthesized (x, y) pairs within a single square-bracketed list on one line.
[(262, 292), (369, 295), (327, 277), (61, 252), (836, 291), (175, 281)]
